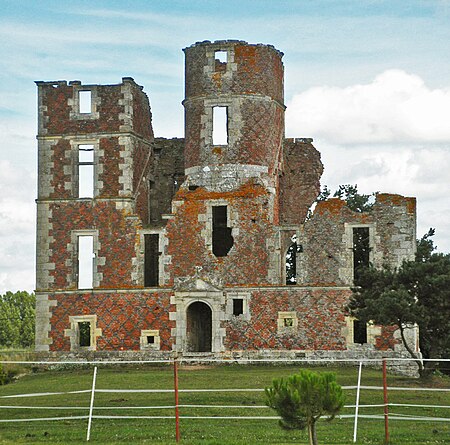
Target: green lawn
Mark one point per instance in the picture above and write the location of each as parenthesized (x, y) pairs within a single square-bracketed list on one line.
[(207, 431)]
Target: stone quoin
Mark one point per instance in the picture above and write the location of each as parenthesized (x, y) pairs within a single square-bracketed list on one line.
[(157, 246)]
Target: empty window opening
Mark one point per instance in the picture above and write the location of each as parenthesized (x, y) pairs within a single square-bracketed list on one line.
[(361, 250), (85, 101), (85, 261), (220, 126), (288, 322), (85, 171), (359, 332), (221, 56), (150, 339), (291, 261), (220, 60), (222, 240), (84, 332), (199, 327), (151, 260), (238, 306)]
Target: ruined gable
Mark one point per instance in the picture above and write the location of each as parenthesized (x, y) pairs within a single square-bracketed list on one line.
[(300, 179)]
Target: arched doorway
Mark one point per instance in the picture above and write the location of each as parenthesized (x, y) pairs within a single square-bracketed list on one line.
[(198, 327)]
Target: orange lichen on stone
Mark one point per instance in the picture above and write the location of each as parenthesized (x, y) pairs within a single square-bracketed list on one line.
[(332, 205), (248, 190), (217, 77)]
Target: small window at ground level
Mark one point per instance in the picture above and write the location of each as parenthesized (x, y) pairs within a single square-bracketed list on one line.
[(359, 332), (85, 101), (84, 330), (238, 306), (150, 339)]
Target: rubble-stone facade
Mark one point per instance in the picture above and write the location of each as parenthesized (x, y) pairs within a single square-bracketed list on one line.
[(187, 238)]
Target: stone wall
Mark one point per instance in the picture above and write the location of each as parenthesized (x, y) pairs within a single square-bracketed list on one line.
[(300, 180), (327, 238)]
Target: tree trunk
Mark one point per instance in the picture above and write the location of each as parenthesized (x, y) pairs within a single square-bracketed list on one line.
[(312, 435), (411, 352)]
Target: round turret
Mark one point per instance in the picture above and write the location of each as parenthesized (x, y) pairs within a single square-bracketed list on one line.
[(234, 111)]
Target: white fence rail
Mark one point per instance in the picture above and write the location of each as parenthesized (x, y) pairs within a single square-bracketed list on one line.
[(90, 416)]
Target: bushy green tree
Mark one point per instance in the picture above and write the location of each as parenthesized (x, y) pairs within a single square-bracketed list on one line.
[(356, 201), (418, 292), (17, 319), (301, 399)]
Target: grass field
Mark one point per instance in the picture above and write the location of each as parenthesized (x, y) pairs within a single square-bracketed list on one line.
[(207, 431)]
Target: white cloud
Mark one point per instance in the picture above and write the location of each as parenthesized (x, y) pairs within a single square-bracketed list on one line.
[(17, 228), (396, 107), (391, 135)]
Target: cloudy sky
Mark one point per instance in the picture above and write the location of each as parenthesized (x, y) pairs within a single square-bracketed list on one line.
[(369, 80)]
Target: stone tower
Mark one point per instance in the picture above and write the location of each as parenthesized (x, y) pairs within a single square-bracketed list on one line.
[(94, 151)]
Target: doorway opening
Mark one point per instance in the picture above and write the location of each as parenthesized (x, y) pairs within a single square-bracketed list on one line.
[(199, 327)]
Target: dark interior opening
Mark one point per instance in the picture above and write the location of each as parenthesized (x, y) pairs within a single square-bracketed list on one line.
[(361, 250), (84, 329), (359, 332), (150, 339), (238, 306), (199, 327), (151, 260), (291, 263), (222, 240)]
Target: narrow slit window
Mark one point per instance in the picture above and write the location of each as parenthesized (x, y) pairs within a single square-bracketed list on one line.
[(291, 261), (359, 332), (361, 250), (85, 261), (220, 126), (238, 306), (222, 240), (85, 171), (85, 102), (152, 202), (151, 260), (84, 332)]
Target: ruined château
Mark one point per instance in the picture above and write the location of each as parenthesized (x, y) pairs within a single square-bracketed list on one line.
[(157, 246)]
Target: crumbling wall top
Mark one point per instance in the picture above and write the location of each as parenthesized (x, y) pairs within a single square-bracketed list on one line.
[(230, 42)]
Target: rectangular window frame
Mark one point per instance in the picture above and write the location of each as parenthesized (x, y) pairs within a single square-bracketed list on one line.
[(145, 344), (74, 332), (86, 174), (220, 125), (86, 261), (85, 101), (349, 271), (245, 297), (152, 254), (96, 261)]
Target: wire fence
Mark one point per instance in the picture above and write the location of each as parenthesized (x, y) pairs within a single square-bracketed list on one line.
[(95, 411)]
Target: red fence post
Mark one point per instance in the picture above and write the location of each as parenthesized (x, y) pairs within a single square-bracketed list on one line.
[(177, 413), (386, 408)]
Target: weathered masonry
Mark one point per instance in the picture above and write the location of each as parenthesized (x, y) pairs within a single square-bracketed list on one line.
[(156, 245)]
